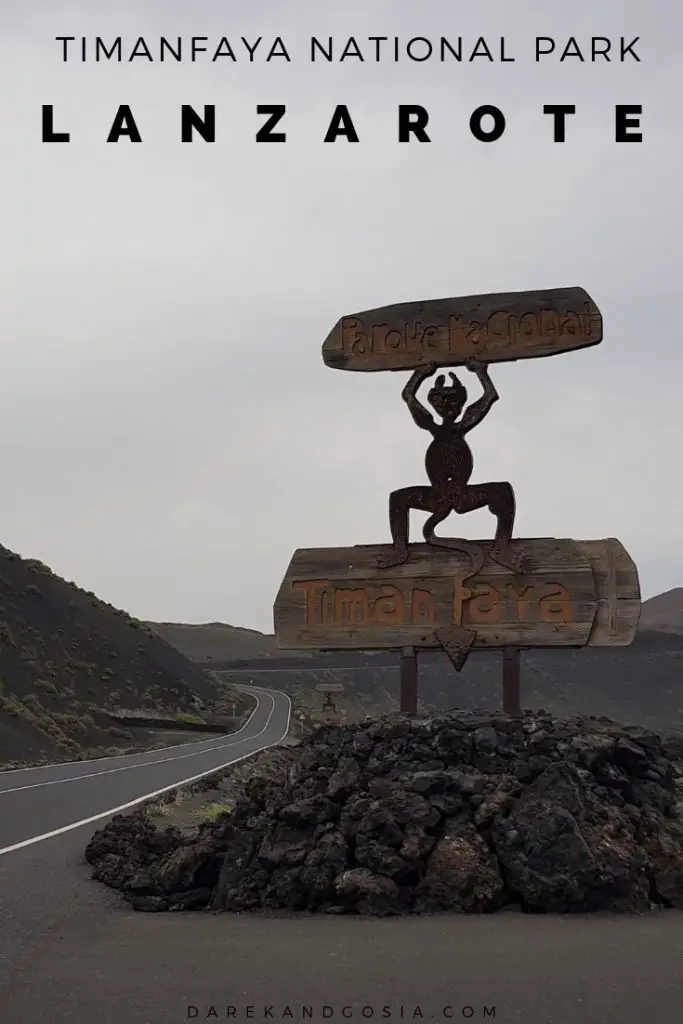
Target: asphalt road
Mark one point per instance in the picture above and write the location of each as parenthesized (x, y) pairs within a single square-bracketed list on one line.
[(105, 963), (40, 803), (48, 814), (72, 950)]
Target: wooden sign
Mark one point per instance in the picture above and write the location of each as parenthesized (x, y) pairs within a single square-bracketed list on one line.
[(571, 594), (448, 332), (330, 687)]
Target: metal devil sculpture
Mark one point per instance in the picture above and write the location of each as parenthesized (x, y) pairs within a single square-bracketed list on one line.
[(505, 593)]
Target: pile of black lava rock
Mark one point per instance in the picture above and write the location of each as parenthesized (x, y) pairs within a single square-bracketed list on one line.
[(464, 812)]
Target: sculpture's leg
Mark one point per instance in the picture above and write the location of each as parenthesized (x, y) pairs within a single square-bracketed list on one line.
[(502, 505), (499, 498), (400, 504)]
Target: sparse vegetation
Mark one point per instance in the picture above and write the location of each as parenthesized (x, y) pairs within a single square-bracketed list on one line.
[(215, 641), (124, 734), (6, 635), (213, 811), (187, 719), (46, 687), (66, 658)]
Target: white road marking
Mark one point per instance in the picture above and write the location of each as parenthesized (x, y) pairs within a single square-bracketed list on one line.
[(302, 668), (111, 757), (158, 792), (225, 741)]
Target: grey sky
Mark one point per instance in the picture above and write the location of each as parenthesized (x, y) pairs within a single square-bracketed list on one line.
[(168, 432)]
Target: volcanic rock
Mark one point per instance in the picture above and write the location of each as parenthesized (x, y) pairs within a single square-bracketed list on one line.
[(463, 812)]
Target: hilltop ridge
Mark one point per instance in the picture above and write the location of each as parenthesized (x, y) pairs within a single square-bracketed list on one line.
[(68, 660), (215, 641), (219, 641), (664, 612)]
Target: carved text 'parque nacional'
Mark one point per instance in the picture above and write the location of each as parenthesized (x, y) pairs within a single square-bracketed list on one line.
[(449, 332)]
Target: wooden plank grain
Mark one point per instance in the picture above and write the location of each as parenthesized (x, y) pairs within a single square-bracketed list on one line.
[(618, 588), (547, 554), (572, 593), (496, 327)]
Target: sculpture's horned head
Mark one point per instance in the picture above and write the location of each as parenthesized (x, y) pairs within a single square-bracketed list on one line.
[(448, 401)]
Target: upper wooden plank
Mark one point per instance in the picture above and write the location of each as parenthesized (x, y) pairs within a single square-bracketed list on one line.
[(499, 327)]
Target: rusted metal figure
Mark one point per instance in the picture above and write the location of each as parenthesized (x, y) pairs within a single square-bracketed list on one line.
[(449, 464)]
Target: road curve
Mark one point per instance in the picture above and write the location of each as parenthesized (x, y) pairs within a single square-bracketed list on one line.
[(40, 803), (71, 951)]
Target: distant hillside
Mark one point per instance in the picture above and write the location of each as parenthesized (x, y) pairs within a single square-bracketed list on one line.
[(664, 612), (67, 659), (218, 642), (215, 641), (638, 685)]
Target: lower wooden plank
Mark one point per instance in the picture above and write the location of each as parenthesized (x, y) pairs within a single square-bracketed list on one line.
[(618, 589), (571, 594)]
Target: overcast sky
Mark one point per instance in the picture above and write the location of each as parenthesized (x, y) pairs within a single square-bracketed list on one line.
[(168, 431)]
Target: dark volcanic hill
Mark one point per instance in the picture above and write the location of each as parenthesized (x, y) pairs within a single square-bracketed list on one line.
[(67, 659), (639, 685), (215, 641), (663, 612), (220, 642)]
